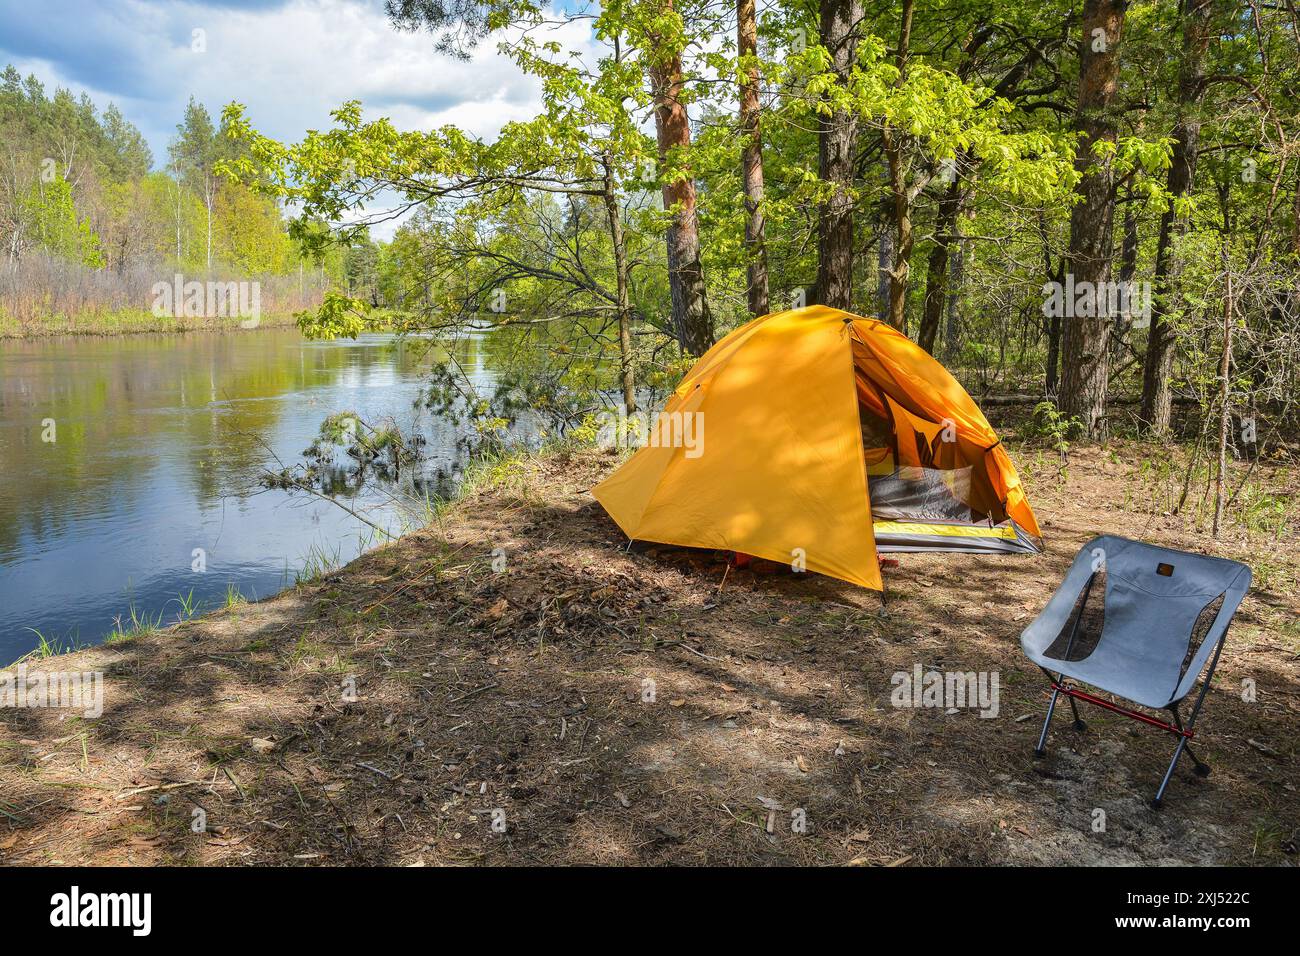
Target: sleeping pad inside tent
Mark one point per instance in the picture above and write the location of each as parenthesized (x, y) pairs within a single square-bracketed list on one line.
[(823, 438)]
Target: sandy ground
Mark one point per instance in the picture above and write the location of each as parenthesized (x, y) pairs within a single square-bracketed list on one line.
[(587, 704)]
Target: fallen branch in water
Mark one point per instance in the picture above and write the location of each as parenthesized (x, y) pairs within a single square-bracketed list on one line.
[(285, 479)]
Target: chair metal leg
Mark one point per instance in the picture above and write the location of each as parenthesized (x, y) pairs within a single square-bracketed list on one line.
[(1041, 750), (1178, 752), (1201, 767), (1079, 725), (1184, 743), (1184, 733)]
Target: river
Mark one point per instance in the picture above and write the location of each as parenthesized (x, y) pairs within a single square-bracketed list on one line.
[(130, 471)]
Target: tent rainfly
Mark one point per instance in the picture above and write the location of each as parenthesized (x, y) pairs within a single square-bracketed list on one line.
[(810, 429)]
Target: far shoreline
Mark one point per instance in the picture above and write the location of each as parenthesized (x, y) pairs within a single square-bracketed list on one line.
[(117, 327)]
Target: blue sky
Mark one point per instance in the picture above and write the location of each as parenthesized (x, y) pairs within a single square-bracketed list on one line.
[(289, 61)]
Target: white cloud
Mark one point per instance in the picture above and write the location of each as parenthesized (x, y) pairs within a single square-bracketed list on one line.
[(289, 65)]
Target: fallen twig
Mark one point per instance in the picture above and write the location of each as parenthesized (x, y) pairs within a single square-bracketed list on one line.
[(477, 690)]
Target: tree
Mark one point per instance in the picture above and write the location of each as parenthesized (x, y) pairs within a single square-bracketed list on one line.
[(895, 143), (837, 141), (195, 153), (1085, 346), (129, 156), (1158, 364), (249, 233), (946, 237), (458, 24), (56, 226), (751, 156), (664, 40)]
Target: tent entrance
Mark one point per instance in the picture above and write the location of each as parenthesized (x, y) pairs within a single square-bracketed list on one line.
[(918, 504), (926, 509)]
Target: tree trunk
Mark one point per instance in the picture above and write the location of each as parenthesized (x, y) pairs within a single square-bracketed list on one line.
[(1128, 250), (177, 184), (903, 240), (1052, 377), (1158, 366), (207, 194), (936, 273), (836, 146), (621, 280), (1052, 383), (1085, 352), (884, 260), (952, 323), (1295, 218), (895, 147), (1225, 367), (691, 319), (752, 158)]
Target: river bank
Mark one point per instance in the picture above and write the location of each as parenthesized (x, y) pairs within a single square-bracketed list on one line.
[(512, 685), (132, 322)]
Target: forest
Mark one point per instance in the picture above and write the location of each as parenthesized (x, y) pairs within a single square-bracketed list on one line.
[(90, 219), (1094, 203), (993, 310)]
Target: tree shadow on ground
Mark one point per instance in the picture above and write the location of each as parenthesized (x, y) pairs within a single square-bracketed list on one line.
[(590, 704)]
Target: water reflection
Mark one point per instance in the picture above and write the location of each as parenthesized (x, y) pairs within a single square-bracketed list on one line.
[(160, 442)]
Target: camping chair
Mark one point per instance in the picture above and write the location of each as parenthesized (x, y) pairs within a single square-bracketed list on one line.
[(1138, 622)]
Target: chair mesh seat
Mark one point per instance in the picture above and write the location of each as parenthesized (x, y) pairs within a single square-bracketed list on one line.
[(1081, 632), (1200, 630)]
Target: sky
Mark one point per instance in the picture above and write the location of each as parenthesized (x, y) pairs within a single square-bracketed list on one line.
[(288, 61)]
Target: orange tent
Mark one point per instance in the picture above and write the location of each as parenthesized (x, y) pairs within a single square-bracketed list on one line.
[(817, 438)]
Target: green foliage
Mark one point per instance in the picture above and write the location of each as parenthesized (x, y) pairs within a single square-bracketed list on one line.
[(510, 238), (340, 316), (1047, 426), (250, 235), (79, 187), (49, 209)]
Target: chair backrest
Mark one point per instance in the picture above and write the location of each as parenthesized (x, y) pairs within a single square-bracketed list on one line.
[(1142, 614)]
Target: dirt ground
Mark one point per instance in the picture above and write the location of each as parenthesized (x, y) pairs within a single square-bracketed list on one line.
[(587, 704)]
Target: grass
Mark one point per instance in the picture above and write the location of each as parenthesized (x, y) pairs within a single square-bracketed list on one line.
[(490, 469), (7, 810), (1166, 482), (123, 322), (499, 470), (189, 608), (233, 597), (138, 624), (319, 561), (49, 646)]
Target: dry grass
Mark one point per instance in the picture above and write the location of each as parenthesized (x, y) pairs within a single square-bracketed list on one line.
[(521, 694), (44, 295)]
